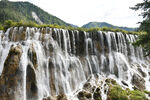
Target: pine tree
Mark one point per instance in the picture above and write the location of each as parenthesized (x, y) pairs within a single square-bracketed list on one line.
[(144, 39)]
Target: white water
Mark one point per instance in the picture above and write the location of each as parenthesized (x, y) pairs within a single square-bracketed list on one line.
[(67, 58)]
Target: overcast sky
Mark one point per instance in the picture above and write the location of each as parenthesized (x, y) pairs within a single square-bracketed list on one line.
[(80, 12)]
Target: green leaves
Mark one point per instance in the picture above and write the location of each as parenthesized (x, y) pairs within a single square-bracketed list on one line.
[(144, 39)]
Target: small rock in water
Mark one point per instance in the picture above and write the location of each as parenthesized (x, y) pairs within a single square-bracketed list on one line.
[(138, 81), (83, 95), (124, 83)]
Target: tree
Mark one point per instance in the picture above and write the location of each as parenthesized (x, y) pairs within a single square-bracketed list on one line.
[(144, 39)]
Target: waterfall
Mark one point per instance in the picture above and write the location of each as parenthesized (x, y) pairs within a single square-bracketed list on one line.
[(59, 61)]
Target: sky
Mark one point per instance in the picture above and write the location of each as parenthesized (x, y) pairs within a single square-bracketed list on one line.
[(80, 12)]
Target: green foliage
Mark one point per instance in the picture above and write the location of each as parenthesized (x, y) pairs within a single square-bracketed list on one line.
[(144, 39), (10, 23), (117, 93), (137, 95)]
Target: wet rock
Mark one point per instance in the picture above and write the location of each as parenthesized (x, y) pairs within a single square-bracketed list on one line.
[(80, 43), (98, 46), (149, 73), (83, 95), (32, 56), (58, 97), (11, 74), (112, 81), (52, 77), (124, 83), (47, 98), (54, 34), (138, 81), (116, 70), (144, 65), (50, 98), (87, 86), (97, 94), (142, 72), (31, 84), (17, 34), (62, 97)]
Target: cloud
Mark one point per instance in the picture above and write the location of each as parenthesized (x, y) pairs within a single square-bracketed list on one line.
[(80, 12)]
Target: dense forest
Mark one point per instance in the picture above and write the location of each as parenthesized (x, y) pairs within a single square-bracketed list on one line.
[(17, 11)]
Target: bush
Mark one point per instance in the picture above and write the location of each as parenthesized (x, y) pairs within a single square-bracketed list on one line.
[(1, 27)]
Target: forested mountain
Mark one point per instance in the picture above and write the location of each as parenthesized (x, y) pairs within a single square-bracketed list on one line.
[(26, 11), (104, 24)]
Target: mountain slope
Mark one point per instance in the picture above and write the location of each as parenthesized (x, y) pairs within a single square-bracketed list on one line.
[(104, 24), (26, 11)]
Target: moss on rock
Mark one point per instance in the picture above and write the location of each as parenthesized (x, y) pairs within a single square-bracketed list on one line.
[(117, 93), (137, 95)]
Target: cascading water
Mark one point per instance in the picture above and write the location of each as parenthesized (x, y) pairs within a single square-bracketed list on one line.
[(57, 61)]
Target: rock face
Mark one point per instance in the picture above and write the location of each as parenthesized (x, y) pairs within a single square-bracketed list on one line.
[(31, 84), (10, 77), (138, 81), (32, 56), (17, 34)]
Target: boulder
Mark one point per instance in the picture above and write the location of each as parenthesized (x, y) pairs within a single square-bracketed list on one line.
[(11, 75), (124, 83), (61, 97), (97, 94), (83, 95), (142, 72), (138, 81), (87, 86), (58, 97)]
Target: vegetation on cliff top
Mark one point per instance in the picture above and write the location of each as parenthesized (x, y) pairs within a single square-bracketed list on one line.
[(10, 23)]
